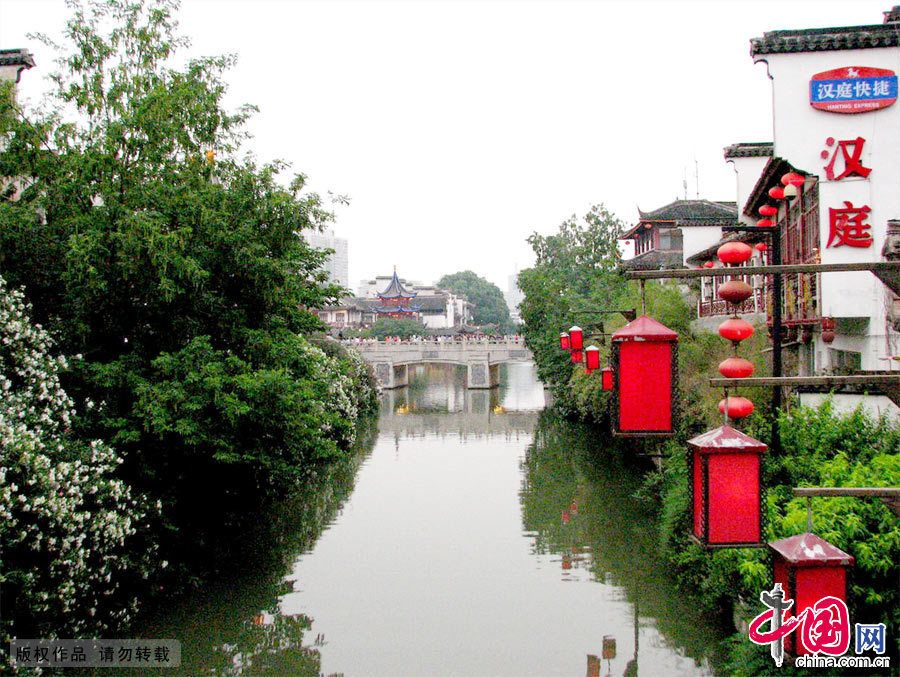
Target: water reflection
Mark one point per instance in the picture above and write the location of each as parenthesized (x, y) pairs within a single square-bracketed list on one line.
[(476, 536), (578, 506)]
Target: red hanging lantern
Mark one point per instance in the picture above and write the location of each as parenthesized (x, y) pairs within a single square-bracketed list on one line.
[(793, 179), (724, 467), (735, 291), (709, 264), (644, 357), (761, 247), (776, 193), (734, 252), (564, 341), (735, 329), (737, 407), (808, 569), (576, 338), (591, 358), (736, 367), (765, 223), (828, 336), (576, 357), (768, 210), (606, 375)]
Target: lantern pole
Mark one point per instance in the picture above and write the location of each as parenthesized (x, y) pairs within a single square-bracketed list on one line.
[(643, 302)]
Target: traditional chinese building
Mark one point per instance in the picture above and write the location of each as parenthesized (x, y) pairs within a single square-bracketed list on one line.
[(393, 296), (836, 124), (396, 300), (663, 235)]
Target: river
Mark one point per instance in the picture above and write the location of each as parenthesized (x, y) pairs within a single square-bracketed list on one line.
[(471, 534)]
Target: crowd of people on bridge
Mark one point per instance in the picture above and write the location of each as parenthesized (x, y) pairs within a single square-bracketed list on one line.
[(439, 339)]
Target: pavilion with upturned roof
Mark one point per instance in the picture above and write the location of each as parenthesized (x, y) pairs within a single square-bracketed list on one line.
[(396, 300)]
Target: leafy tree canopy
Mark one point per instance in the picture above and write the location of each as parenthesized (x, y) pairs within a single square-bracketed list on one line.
[(173, 264), (486, 299), (391, 326)]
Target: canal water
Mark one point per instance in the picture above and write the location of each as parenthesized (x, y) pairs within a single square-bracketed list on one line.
[(472, 533)]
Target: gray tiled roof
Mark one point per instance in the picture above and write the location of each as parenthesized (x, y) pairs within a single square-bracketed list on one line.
[(827, 39), (749, 149), (693, 212), (655, 259), (16, 57)]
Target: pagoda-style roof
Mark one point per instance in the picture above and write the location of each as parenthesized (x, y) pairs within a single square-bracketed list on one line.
[(828, 39), (686, 213), (808, 550), (396, 290)]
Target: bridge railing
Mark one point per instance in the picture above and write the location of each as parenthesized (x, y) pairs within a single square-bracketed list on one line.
[(435, 345)]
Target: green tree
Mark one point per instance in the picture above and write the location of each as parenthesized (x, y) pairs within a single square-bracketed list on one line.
[(486, 299), (147, 244), (390, 326), (575, 270)]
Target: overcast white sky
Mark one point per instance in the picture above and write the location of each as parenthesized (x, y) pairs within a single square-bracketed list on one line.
[(459, 128)]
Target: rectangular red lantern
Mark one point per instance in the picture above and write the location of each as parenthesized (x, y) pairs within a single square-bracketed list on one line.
[(576, 338), (564, 341), (576, 357), (607, 375), (808, 568), (725, 473), (644, 357), (592, 357)]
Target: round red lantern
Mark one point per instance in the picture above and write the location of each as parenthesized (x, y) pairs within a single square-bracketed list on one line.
[(761, 247), (576, 357), (735, 291), (709, 264), (591, 358), (765, 223), (564, 341), (768, 210), (793, 179), (776, 193), (734, 252), (828, 336), (736, 367), (735, 329), (737, 407), (606, 375), (576, 338)]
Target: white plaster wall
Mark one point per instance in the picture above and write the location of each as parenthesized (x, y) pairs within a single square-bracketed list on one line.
[(697, 238), (845, 403), (800, 134), (747, 171)]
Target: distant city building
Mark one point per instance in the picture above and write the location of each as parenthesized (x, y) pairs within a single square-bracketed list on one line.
[(337, 264), (514, 297), (393, 296)]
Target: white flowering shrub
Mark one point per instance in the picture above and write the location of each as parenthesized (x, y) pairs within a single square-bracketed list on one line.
[(65, 519)]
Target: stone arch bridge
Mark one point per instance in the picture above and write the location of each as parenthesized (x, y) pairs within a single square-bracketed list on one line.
[(481, 358)]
